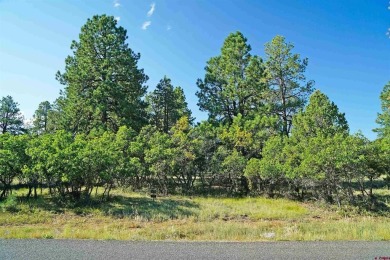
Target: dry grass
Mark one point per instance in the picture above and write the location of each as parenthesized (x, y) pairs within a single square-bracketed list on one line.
[(132, 216)]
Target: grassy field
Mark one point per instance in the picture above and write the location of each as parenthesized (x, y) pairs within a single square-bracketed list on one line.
[(133, 216)]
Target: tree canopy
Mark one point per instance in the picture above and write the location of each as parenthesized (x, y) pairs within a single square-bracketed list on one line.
[(11, 120), (384, 117), (233, 83), (166, 105), (288, 89), (267, 132), (104, 86), (41, 118)]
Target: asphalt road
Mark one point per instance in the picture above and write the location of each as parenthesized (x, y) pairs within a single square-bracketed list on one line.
[(90, 249)]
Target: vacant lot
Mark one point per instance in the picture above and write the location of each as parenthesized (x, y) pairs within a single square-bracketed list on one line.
[(134, 216)]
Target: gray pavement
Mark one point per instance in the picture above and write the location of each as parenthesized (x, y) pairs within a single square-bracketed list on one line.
[(91, 249)]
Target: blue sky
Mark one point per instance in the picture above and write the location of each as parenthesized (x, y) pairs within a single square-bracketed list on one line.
[(345, 41)]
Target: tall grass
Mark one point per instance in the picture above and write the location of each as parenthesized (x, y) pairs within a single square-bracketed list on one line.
[(137, 217), (248, 208)]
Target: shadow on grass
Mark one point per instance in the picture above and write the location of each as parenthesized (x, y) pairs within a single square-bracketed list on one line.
[(141, 208)]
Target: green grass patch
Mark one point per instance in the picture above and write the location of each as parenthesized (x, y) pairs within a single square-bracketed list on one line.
[(248, 208)]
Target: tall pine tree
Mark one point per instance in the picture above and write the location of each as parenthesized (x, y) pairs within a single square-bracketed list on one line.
[(11, 120), (233, 83), (288, 89), (41, 118), (104, 86)]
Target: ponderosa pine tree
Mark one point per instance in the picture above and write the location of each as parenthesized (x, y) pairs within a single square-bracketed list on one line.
[(104, 86), (233, 83), (288, 89), (41, 118), (166, 105), (11, 120)]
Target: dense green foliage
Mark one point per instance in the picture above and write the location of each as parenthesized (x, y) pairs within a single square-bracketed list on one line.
[(287, 87), (41, 118), (12, 159), (260, 138), (166, 105), (384, 118), (104, 86), (233, 83)]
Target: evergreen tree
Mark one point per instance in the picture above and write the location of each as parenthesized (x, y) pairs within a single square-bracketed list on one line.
[(11, 120), (41, 118), (104, 87), (320, 117), (384, 118), (234, 81), (167, 105), (288, 89)]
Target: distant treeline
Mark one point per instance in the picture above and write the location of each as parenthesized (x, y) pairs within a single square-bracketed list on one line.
[(268, 132)]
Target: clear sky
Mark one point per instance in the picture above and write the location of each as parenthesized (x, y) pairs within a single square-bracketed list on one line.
[(345, 41)]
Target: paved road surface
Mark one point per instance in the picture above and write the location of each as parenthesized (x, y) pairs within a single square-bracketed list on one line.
[(89, 249)]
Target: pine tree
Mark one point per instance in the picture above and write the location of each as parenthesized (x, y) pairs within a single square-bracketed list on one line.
[(104, 86)]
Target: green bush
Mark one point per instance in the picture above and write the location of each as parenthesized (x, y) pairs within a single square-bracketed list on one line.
[(10, 204)]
